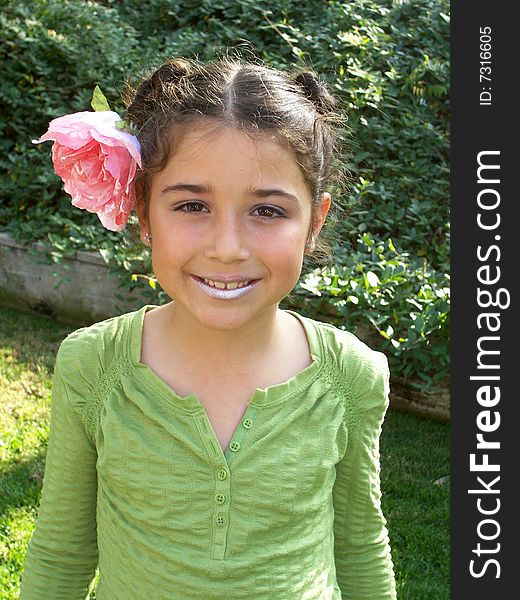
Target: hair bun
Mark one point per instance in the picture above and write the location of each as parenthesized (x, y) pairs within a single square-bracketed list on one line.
[(149, 92), (316, 91), (173, 70)]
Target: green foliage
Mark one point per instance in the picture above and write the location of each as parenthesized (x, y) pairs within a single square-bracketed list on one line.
[(388, 63)]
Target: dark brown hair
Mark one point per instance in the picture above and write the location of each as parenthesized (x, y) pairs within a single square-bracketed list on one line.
[(297, 108)]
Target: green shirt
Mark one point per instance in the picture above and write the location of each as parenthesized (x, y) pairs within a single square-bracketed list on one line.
[(136, 481)]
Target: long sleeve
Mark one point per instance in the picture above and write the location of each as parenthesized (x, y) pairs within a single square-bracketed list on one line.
[(62, 554), (364, 566)]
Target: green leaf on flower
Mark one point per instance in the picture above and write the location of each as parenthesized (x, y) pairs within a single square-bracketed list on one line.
[(99, 102)]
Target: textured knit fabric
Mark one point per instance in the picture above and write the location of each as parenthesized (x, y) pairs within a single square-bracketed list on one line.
[(136, 481)]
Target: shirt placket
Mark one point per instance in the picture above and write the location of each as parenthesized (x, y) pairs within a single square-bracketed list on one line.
[(221, 462)]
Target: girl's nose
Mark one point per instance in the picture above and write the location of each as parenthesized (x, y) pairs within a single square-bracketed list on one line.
[(227, 241)]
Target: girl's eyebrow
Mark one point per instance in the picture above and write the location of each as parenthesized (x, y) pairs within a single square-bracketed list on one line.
[(187, 187), (204, 189), (265, 193)]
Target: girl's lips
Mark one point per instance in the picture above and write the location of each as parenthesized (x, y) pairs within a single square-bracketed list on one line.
[(224, 293)]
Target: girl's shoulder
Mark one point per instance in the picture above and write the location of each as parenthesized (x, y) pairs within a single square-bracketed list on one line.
[(341, 347), (89, 351), (92, 360), (349, 360)]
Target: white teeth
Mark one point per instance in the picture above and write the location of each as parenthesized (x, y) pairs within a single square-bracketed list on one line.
[(221, 291), (223, 286)]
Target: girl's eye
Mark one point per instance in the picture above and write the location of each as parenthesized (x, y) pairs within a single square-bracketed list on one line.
[(191, 207), (269, 212)]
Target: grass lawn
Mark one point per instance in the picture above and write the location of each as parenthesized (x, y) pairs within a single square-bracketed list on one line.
[(414, 454)]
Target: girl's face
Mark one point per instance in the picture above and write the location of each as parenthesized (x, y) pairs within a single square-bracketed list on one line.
[(229, 217)]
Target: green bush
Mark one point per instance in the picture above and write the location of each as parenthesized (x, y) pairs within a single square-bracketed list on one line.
[(388, 63)]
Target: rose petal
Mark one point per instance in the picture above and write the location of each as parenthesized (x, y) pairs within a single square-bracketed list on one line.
[(111, 136), (112, 217)]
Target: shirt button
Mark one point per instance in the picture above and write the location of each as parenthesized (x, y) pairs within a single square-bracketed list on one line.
[(234, 446), (220, 498), (247, 423), (220, 521), (222, 474)]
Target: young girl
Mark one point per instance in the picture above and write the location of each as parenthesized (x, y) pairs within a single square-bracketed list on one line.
[(218, 447)]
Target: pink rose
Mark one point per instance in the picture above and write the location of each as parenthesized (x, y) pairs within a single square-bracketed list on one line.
[(97, 163)]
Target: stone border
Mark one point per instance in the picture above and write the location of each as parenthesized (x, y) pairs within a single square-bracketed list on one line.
[(80, 290), (434, 406)]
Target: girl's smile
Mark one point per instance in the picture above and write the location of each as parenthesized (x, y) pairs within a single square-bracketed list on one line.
[(233, 288), (229, 217)]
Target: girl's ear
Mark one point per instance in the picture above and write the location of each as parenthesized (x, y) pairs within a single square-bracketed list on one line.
[(322, 214), (144, 225), (319, 221)]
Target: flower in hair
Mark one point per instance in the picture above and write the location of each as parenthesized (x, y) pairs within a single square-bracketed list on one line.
[(97, 158)]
